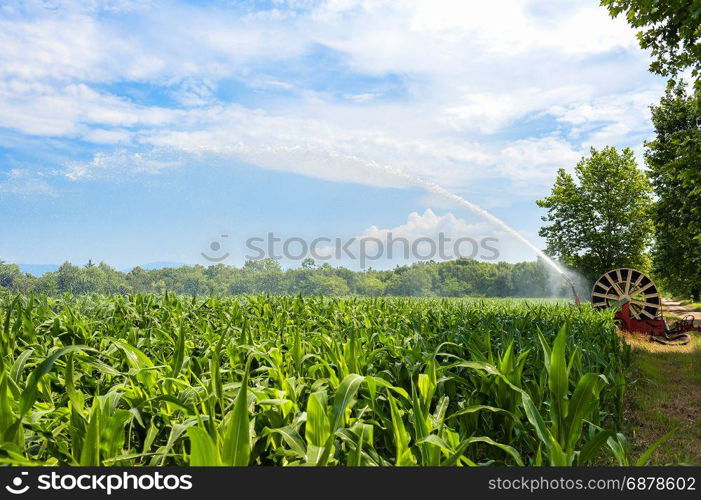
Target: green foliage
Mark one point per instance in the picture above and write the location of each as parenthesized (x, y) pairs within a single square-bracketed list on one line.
[(11, 278), (173, 380), (674, 159), (568, 411), (414, 281), (671, 29), (457, 278), (601, 221)]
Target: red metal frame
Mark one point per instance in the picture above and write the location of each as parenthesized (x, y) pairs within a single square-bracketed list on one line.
[(656, 327)]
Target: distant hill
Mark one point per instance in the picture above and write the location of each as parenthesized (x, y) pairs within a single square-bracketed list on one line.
[(37, 269)]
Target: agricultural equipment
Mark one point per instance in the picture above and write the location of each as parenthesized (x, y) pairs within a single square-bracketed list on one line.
[(639, 306), (577, 300)]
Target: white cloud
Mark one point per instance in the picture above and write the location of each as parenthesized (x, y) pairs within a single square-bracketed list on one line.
[(429, 224), (619, 119), (106, 136), (491, 112), (608, 108), (367, 96), (121, 163), (441, 35), (194, 92), (471, 82), (426, 236), (75, 41), (70, 110), (24, 182), (533, 163)]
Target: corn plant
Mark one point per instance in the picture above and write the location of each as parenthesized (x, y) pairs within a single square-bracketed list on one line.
[(259, 380)]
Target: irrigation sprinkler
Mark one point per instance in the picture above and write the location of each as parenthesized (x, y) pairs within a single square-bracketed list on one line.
[(577, 301), (637, 299)]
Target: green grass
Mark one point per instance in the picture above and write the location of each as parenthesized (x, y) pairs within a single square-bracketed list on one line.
[(165, 380), (665, 394)]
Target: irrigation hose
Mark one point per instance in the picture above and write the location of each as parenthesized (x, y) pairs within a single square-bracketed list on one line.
[(672, 340), (682, 338)]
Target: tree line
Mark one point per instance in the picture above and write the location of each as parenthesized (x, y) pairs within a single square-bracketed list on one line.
[(457, 278)]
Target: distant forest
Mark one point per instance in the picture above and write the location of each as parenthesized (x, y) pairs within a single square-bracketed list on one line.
[(456, 278)]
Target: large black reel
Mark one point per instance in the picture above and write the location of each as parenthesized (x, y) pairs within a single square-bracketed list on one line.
[(626, 285)]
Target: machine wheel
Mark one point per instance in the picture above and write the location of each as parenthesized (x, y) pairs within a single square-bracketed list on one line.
[(619, 286)]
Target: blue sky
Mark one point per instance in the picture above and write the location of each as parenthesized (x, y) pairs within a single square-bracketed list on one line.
[(140, 131)]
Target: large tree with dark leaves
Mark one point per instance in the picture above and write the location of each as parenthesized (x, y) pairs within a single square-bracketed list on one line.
[(602, 220), (671, 29), (674, 160)]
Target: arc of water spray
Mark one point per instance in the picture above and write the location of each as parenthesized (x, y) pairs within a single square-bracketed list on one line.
[(441, 191), (246, 150)]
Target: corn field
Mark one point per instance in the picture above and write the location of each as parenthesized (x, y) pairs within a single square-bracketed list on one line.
[(169, 380)]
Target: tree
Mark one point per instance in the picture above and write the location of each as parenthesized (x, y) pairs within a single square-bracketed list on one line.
[(10, 276), (138, 279), (603, 221), (530, 279), (370, 285), (329, 285), (260, 276), (193, 280), (264, 265), (414, 281), (69, 279), (671, 29), (674, 160)]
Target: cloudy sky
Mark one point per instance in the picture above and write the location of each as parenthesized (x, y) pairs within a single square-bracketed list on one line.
[(139, 131)]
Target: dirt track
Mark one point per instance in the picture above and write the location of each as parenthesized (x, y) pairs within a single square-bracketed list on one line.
[(672, 307)]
